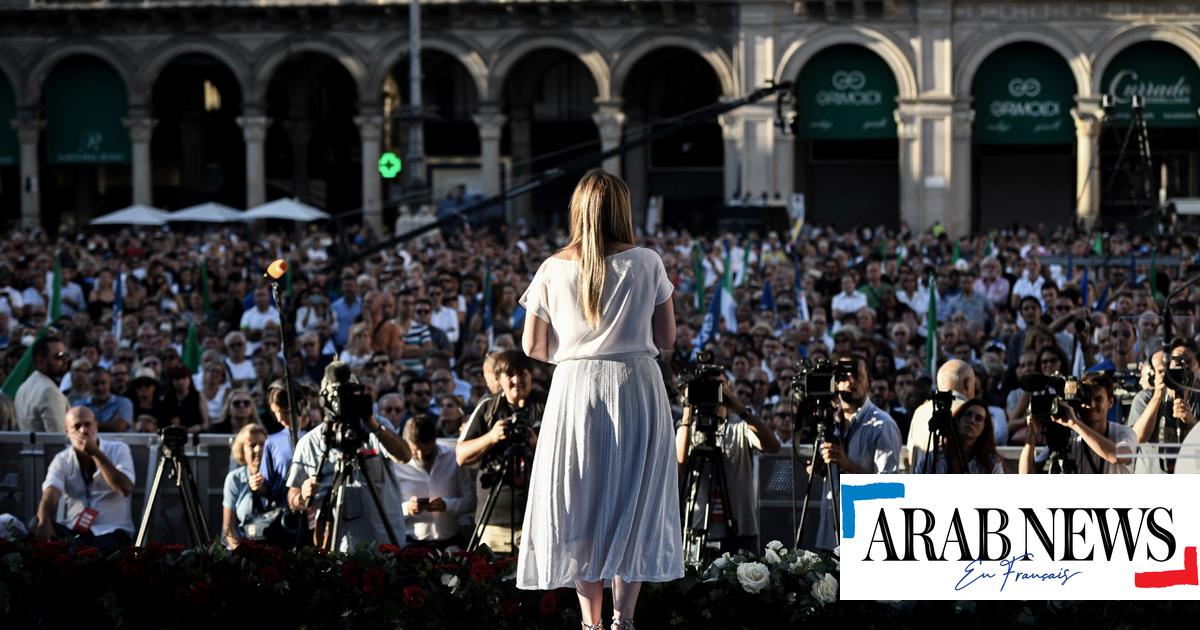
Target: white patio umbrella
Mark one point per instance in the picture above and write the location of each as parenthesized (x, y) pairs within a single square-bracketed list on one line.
[(136, 214), (206, 213), (286, 209)]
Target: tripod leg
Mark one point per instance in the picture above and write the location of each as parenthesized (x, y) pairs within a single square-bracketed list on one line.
[(191, 500), (148, 509), (834, 480), (692, 476), (488, 506), (731, 526), (387, 525), (808, 493), (189, 515)]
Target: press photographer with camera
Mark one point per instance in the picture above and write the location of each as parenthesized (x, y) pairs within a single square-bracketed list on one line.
[(741, 435), (1073, 417), (974, 439), (349, 437), (500, 424), (864, 439), (1167, 411)]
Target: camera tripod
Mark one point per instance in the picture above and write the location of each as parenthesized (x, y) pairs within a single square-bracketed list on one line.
[(330, 518), (510, 461), (940, 428), (704, 470), (173, 460), (824, 417)]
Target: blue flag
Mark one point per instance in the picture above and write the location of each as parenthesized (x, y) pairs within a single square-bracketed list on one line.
[(118, 305), (768, 298), (1102, 303), (709, 328), (487, 304), (1083, 287), (801, 299)]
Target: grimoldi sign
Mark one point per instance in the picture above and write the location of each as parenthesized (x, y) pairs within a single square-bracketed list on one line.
[(1019, 537), (846, 92), (1023, 94), (1164, 74)]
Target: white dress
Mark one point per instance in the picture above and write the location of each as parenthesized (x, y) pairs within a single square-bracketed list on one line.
[(603, 493)]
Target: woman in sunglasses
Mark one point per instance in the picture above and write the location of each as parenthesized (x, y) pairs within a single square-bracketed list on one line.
[(238, 412)]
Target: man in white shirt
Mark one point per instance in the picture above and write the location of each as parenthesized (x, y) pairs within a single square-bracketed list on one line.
[(443, 318), (435, 488), (96, 480), (40, 405), (240, 368), (255, 319), (849, 301)]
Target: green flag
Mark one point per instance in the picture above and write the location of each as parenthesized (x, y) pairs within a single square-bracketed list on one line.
[(1152, 279), (957, 252), (1098, 245), (698, 276), (208, 316), (931, 328), (21, 370), (191, 350), (55, 310)]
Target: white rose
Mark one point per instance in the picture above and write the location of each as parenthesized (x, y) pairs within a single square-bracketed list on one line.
[(450, 581), (720, 563), (754, 576), (774, 545), (771, 557), (826, 590)]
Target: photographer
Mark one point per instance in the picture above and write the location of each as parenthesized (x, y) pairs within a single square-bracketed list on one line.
[(742, 433), (360, 518), (1095, 445), (976, 441), (1166, 412), (495, 422), (864, 440)]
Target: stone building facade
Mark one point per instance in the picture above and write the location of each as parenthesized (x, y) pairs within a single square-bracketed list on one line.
[(968, 113)]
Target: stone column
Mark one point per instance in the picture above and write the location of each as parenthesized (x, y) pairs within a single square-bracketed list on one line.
[(141, 129), (1088, 116), (370, 132), (758, 149), (960, 168), (254, 132), (731, 134), (490, 122), (610, 120), (520, 128), (785, 164), (909, 136), (29, 132)]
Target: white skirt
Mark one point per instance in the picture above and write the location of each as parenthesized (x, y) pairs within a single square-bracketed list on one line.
[(603, 493)]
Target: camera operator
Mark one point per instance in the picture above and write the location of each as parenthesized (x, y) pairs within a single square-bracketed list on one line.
[(864, 440), (488, 436), (742, 434), (1166, 412), (361, 522), (438, 490), (954, 376), (1096, 446)]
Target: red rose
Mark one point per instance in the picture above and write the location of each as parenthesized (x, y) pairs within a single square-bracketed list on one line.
[(65, 565), (87, 552), (172, 549), (389, 549), (481, 571), (372, 580), (414, 596), (271, 575), (511, 608), (446, 566), (350, 574), (549, 604)]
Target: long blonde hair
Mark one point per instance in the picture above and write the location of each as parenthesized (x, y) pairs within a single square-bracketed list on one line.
[(600, 213)]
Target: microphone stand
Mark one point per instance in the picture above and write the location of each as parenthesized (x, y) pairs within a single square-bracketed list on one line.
[(293, 430)]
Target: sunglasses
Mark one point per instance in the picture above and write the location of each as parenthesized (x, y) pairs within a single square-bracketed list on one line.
[(391, 409), (237, 344), (1124, 333), (377, 364), (242, 403), (61, 356)]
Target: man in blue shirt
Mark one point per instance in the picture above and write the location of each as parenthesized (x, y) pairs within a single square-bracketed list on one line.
[(113, 413), (277, 453), (348, 308)]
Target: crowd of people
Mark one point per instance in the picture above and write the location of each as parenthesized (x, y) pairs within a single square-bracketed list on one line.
[(433, 330)]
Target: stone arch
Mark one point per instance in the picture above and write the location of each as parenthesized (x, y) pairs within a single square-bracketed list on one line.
[(163, 54), (396, 49), (51, 54), (1126, 36), (634, 51), (802, 50), (10, 71), (274, 55), (980, 47), (510, 54)]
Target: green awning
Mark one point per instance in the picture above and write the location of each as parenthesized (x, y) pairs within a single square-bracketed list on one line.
[(846, 92), (1023, 94), (85, 103), (9, 149), (1161, 72)]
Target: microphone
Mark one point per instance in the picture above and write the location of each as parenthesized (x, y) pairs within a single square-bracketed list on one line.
[(276, 269)]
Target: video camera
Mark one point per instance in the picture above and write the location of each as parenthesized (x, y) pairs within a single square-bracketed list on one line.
[(942, 418), (703, 392), (1179, 374), (514, 446), (815, 381), (347, 407), (1046, 394), (172, 440)]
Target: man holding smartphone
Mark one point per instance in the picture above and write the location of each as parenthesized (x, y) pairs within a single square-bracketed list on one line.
[(438, 490)]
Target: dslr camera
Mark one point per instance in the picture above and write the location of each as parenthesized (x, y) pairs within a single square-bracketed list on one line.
[(513, 450), (704, 394), (1179, 374), (942, 417), (173, 439)]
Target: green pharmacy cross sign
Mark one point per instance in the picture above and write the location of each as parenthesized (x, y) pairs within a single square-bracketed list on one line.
[(389, 165)]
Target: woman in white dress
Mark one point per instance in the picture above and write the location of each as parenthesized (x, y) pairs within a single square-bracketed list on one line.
[(603, 498)]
